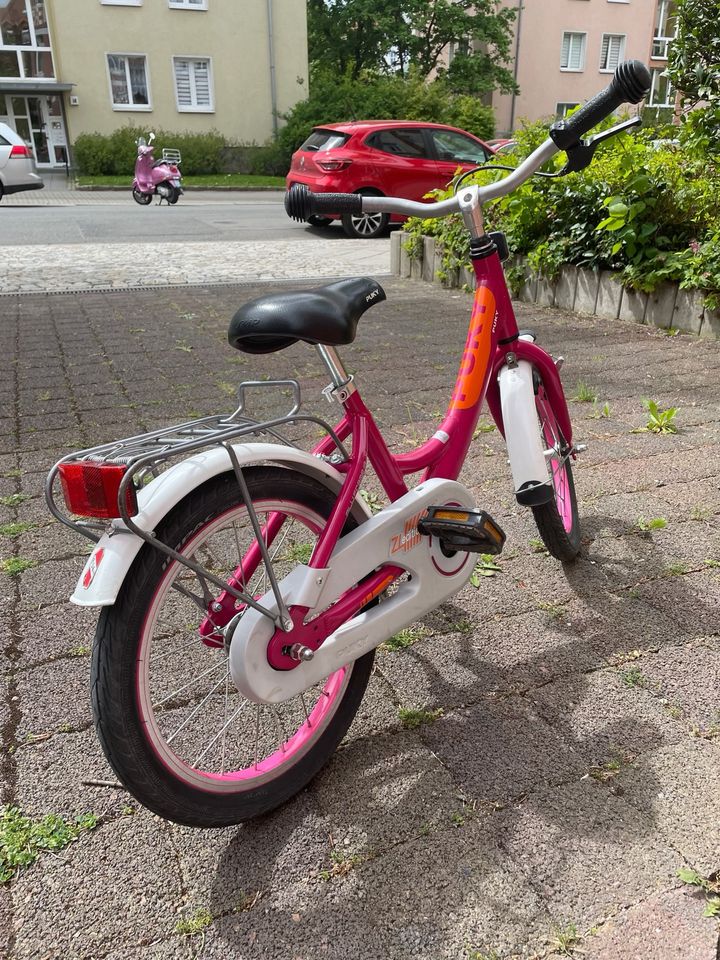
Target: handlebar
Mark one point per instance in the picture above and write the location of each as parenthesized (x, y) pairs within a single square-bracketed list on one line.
[(630, 84)]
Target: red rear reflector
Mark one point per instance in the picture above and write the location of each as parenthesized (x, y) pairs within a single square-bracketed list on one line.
[(91, 489), (330, 166), (19, 151)]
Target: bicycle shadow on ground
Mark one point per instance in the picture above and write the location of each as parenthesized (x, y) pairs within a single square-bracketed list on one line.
[(542, 744)]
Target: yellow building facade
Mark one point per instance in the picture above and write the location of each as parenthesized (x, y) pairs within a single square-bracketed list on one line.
[(77, 66)]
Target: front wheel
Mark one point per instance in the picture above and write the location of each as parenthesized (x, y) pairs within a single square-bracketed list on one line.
[(365, 226), (177, 732), (142, 198), (556, 520)]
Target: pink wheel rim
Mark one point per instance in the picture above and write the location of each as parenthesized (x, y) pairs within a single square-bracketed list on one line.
[(557, 467)]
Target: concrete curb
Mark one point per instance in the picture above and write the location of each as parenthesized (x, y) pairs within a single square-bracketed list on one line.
[(586, 291)]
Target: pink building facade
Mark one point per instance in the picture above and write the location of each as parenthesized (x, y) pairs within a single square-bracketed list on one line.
[(567, 50)]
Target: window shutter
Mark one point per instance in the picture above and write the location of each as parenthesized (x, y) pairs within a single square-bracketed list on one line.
[(202, 83), (565, 56), (182, 83)]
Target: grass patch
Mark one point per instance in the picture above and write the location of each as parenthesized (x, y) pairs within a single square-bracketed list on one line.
[(404, 638), (247, 181), (654, 523), (584, 393), (565, 939), (15, 565), (298, 553), (411, 719), (22, 840), (13, 500), (195, 923), (633, 677), (15, 529)]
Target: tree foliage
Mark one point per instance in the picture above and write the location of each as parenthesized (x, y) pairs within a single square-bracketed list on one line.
[(351, 37), (694, 70)]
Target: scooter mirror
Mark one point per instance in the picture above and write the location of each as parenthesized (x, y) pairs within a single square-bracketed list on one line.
[(141, 142), (152, 137)]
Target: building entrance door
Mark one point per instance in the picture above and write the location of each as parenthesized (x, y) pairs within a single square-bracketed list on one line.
[(39, 121)]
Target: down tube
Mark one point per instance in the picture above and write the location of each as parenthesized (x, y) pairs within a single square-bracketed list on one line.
[(473, 376)]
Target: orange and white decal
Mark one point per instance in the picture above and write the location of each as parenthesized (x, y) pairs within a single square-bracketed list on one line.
[(476, 355), (92, 567), (409, 538)]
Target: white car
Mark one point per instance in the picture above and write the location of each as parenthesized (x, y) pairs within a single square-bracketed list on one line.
[(17, 168)]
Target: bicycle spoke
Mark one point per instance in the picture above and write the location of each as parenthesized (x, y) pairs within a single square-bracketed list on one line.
[(220, 732), (199, 676), (199, 707)]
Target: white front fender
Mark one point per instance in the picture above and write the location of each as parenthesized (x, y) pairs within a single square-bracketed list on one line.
[(113, 555)]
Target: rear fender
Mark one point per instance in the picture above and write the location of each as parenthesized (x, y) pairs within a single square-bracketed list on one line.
[(115, 552)]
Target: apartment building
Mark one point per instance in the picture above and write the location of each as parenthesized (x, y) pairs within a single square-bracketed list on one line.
[(567, 50), (74, 66)]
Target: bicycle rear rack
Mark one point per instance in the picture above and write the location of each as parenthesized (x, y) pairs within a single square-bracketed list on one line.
[(147, 455), (170, 155)]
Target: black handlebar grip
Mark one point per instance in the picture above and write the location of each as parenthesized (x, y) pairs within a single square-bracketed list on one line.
[(629, 85), (301, 203)]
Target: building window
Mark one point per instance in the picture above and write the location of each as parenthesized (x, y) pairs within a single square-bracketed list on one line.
[(129, 88), (25, 40), (665, 29), (572, 56), (123, 3), (563, 109), (193, 85), (661, 90), (188, 4), (611, 51)]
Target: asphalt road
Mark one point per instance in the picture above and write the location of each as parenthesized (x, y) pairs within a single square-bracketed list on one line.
[(256, 216)]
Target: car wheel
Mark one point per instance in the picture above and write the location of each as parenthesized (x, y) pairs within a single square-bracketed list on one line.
[(365, 226), (316, 221), (1, 190)]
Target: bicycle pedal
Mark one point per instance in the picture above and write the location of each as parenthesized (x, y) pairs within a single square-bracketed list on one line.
[(473, 531)]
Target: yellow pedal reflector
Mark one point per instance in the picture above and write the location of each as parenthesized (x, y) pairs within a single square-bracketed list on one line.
[(459, 516), (492, 529)]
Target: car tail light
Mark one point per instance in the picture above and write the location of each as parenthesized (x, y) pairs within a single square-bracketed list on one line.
[(20, 150), (91, 489), (331, 166)]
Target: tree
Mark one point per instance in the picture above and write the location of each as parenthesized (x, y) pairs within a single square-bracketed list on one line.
[(402, 36), (694, 69)]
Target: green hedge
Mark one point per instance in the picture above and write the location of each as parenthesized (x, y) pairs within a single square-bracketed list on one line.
[(336, 99), (646, 210), (97, 154)]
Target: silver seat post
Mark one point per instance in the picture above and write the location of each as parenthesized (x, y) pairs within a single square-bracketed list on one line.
[(342, 382)]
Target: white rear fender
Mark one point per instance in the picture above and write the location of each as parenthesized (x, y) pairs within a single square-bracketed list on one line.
[(522, 434), (113, 556)]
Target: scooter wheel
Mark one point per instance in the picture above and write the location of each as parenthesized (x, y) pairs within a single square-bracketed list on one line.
[(142, 198), (174, 196)]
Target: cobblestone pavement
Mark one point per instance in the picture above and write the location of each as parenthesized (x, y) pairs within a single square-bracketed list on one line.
[(572, 767), (47, 268), (93, 198)]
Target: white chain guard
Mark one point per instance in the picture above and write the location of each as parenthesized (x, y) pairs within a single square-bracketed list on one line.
[(389, 537)]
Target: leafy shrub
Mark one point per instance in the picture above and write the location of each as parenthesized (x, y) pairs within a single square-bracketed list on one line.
[(336, 99), (98, 154), (649, 213)]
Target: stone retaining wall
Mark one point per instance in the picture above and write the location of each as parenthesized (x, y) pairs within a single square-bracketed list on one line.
[(595, 292)]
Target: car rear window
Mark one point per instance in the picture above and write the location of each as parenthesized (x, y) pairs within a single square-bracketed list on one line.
[(4, 142), (401, 143), (325, 140)]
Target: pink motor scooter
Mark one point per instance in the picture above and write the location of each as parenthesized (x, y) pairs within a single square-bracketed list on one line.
[(161, 177)]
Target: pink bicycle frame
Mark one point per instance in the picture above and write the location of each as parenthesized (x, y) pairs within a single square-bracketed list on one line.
[(492, 334)]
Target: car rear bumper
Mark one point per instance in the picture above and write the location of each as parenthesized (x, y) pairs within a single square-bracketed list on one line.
[(18, 187)]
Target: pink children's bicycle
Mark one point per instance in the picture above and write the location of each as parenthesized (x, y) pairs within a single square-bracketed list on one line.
[(244, 586)]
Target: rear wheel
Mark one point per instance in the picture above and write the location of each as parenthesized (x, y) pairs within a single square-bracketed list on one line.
[(557, 520), (177, 732), (365, 226)]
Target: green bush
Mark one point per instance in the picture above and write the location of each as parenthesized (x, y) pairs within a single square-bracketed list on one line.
[(647, 212), (336, 99), (98, 154)]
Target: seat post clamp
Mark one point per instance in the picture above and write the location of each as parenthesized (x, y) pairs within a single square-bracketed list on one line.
[(339, 391)]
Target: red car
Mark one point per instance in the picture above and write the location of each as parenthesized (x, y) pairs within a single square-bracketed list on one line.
[(398, 158)]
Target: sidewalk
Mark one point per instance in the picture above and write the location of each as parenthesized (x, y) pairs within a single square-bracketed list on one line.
[(574, 763), (56, 195)]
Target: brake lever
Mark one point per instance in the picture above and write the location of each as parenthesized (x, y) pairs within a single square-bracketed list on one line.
[(580, 155)]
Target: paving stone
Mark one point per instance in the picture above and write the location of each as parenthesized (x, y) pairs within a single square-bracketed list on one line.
[(678, 786), (667, 926), (54, 695), (102, 890), (688, 679), (586, 851)]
